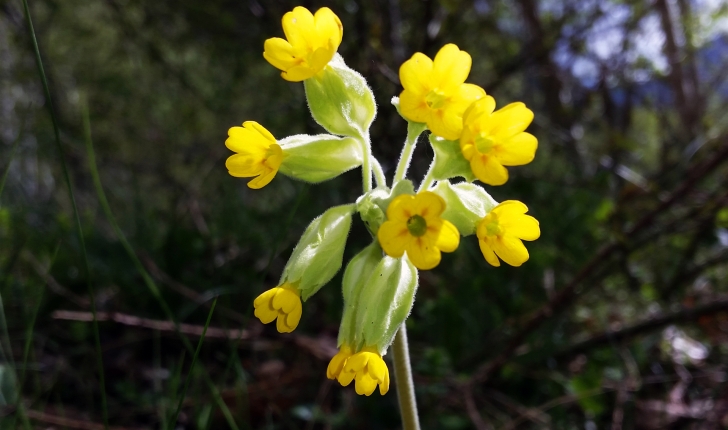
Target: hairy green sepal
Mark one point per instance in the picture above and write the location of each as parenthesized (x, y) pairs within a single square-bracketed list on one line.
[(319, 158), (340, 99), (355, 276), (372, 206), (385, 301), (466, 205), (449, 160), (320, 251)]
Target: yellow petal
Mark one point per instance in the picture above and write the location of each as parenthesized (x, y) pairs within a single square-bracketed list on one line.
[(248, 140), (451, 68), (329, 28), (483, 106), (345, 377), (293, 318), (414, 74), (262, 180), (336, 365), (510, 208), (488, 253), (451, 123), (377, 368), (510, 120), (279, 53), (244, 165), (446, 124), (488, 170), (393, 237), (511, 250), (423, 253), (428, 205), (357, 362), (517, 150), (299, 27), (469, 93), (449, 237), (524, 227), (413, 107), (254, 126), (365, 385), (384, 387), (265, 298), (320, 58), (469, 151), (298, 73), (285, 300), (401, 208)]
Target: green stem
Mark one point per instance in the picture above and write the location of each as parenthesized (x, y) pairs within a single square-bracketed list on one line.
[(192, 366), (414, 130), (366, 166), (403, 380), (378, 173), (81, 239), (428, 179)]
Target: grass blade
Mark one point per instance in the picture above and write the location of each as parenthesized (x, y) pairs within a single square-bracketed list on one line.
[(192, 366), (12, 155), (69, 185), (148, 281)]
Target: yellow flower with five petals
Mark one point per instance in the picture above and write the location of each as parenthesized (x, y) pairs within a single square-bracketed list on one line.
[(414, 226), (282, 302), (368, 369), (312, 41), (435, 92), (491, 140), (501, 231), (258, 154)]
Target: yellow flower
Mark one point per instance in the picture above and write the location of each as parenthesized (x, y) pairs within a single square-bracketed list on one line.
[(369, 370), (491, 140), (312, 43), (435, 92), (336, 365), (282, 302), (258, 154), (501, 231), (414, 225)]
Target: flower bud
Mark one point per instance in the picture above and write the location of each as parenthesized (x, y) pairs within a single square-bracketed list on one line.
[(449, 160), (340, 99), (467, 204), (318, 158), (385, 301), (319, 252)]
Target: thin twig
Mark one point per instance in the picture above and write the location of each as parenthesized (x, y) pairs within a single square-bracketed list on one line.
[(68, 422)]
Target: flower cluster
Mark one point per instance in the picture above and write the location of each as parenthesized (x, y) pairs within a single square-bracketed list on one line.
[(410, 228)]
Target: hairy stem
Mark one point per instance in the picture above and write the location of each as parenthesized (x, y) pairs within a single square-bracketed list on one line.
[(403, 380), (378, 172), (414, 129), (366, 165)]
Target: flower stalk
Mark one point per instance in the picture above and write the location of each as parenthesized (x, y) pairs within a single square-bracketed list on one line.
[(403, 381)]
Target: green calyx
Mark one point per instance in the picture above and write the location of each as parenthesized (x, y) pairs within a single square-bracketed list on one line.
[(372, 206), (320, 251)]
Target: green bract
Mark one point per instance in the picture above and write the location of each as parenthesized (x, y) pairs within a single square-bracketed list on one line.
[(319, 158), (449, 160), (340, 100), (355, 276), (467, 204), (319, 253), (385, 301)]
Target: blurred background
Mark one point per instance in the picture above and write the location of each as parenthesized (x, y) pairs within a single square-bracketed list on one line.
[(618, 320)]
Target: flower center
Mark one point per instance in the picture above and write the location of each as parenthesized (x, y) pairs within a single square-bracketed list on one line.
[(435, 99), (417, 225), (484, 143), (492, 226)]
